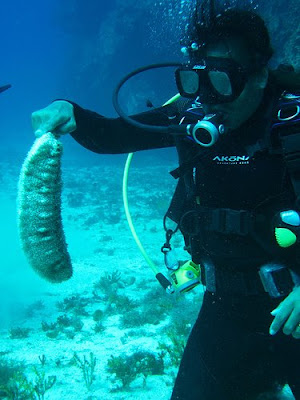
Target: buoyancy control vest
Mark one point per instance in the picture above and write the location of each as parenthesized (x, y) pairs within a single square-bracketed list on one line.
[(227, 196)]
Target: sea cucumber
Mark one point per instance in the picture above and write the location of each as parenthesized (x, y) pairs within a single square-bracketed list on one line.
[(39, 210)]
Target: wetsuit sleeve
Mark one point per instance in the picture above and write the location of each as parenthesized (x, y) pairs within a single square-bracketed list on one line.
[(113, 135), (296, 266)]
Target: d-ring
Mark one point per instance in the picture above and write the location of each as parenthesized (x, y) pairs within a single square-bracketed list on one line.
[(290, 117)]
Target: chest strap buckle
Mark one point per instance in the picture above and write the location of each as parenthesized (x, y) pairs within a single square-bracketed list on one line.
[(228, 221)]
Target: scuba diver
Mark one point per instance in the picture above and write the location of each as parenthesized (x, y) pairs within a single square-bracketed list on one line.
[(236, 202), (5, 87)]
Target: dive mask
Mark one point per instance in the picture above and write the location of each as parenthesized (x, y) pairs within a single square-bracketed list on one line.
[(212, 80)]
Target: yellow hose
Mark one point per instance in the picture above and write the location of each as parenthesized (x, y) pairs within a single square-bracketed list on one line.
[(126, 206)]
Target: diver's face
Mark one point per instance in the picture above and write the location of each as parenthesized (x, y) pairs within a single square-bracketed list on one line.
[(239, 110)]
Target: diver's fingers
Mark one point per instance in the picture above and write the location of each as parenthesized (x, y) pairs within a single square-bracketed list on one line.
[(292, 323), (58, 118), (66, 127), (281, 314), (296, 333), (36, 121), (46, 121)]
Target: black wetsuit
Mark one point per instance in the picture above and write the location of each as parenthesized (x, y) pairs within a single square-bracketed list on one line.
[(230, 354)]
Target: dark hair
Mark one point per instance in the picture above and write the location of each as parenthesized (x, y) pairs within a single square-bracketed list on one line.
[(207, 26)]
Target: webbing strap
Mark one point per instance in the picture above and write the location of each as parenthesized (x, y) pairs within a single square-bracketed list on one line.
[(190, 164), (286, 130), (291, 153), (228, 221), (221, 220)]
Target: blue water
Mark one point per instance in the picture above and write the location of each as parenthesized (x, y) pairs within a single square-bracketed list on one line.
[(79, 50)]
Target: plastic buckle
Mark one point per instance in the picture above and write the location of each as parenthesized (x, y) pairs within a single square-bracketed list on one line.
[(277, 279), (227, 221)]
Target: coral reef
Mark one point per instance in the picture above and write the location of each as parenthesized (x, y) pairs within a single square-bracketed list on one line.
[(19, 333), (87, 367), (15, 384), (127, 368)]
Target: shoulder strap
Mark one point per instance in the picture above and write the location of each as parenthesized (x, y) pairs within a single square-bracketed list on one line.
[(285, 134), (286, 78)]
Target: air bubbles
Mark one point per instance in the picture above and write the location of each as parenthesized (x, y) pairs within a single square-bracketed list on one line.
[(184, 51), (170, 22)]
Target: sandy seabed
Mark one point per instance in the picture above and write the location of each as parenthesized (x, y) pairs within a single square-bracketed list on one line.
[(100, 245)]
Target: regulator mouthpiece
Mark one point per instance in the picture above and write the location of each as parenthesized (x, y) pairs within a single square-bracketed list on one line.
[(207, 131)]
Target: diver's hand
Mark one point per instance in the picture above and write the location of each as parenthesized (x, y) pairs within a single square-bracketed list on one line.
[(287, 315), (57, 118)]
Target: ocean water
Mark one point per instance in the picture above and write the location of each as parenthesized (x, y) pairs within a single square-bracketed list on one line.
[(112, 310)]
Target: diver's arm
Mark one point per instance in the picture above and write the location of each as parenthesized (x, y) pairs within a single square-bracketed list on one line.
[(296, 265), (113, 135)]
